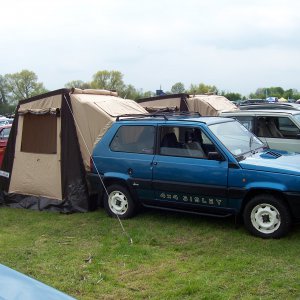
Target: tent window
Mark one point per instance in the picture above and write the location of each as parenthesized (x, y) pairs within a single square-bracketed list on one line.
[(39, 134)]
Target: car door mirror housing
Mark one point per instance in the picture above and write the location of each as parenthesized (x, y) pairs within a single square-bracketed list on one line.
[(215, 156)]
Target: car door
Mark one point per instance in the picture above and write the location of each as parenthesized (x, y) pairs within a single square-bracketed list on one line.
[(290, 133), (184, 177), (128, 155)]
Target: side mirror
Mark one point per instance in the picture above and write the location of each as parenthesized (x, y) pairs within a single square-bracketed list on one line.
[(215, 156)]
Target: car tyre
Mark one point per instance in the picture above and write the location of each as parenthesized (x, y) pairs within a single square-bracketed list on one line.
[(266, 216), (118, 202)]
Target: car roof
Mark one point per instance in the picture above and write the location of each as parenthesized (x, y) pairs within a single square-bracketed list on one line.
[(261, 112), (276, 105), (157, 118), (208, 120)]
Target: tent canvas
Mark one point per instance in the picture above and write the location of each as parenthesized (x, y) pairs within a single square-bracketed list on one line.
[(206, 105), (210, 105), (48, 151), (174, 102)]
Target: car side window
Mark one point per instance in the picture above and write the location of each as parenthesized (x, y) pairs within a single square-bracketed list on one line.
[(184, 142), (287, 128), (134, 139), (276, 127)]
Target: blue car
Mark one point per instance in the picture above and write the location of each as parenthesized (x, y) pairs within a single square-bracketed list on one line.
[(203, 165), (17, 286)]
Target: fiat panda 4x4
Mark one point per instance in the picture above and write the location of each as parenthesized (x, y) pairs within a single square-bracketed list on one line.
[(205, 165)]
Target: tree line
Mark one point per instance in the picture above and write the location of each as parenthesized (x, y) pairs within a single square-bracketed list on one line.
[(21, 85)]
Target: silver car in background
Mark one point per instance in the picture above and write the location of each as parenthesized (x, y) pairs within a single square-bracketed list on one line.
[(278, 128)]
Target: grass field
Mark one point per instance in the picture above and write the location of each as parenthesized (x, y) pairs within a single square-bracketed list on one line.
[(173, 256)]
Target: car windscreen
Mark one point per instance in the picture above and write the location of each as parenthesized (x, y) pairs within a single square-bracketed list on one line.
[(297, 117), (236, 138)]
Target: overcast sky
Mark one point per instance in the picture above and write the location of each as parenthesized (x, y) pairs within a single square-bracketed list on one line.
[(237, 45)]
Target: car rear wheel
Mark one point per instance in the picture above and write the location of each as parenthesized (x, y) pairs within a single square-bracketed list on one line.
[(119, 202), (267, 216)]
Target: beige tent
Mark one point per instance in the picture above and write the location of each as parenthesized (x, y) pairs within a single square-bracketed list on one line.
[(210, 105), (95, 113), (282, 100), (174, 102), (49, 148), (206, 105)]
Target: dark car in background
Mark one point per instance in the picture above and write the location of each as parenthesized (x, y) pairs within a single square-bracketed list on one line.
[(4, 134)]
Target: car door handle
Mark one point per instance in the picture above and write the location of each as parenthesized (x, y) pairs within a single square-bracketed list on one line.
[(154, 163)]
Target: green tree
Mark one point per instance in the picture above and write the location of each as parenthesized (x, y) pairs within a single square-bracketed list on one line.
[(22, 85), (78, 84), (3, 90), (202, 88), (275, 92), (111, 80), (6, 109), (178, 88), (288, 94), (232, 96), (296, 95), (108, 80), (130, 92), (148, 94), (263, 93), (291, 94)]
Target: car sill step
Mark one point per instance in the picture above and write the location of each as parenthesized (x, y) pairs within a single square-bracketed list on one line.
[(189, 212)]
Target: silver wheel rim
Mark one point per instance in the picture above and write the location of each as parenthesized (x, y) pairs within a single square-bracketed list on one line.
[(265, 218), (118, 203)]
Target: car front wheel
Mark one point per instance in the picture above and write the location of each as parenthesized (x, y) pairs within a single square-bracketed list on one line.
[(267, 216)]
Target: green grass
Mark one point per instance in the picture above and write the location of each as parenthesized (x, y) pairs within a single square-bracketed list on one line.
[(173, 256)]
